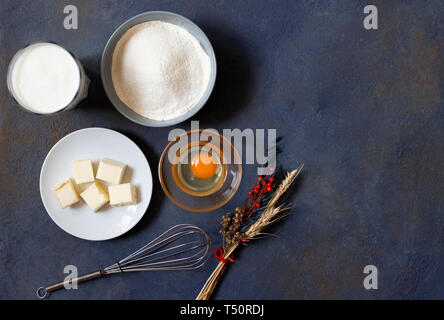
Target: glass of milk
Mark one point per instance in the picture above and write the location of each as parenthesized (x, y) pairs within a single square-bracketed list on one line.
[(45, 78)]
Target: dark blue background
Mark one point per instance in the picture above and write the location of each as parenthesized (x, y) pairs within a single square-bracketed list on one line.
[(362, 109)]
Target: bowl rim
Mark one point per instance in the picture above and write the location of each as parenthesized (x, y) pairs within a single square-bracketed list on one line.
[(170, 196), (109, 90)]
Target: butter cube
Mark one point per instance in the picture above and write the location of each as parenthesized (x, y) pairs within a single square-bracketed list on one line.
[(83, 171), (94, 196), (122, 194), (66, 194), (111, 171)]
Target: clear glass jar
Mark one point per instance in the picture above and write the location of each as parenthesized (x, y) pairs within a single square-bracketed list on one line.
[(82, 90)]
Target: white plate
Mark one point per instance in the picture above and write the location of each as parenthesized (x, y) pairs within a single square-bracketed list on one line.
[(95, 144)]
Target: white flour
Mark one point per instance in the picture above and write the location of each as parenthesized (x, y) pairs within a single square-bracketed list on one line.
[(159, 70)]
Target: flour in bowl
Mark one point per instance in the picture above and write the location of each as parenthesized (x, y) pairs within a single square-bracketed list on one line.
[(160, 70)]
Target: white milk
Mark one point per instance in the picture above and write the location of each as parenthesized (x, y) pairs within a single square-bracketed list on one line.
[(45, 78)]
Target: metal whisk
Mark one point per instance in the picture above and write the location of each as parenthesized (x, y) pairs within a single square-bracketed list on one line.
[(182, 247)]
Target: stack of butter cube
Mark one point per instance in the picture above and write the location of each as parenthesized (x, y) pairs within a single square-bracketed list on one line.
[(94, 195)]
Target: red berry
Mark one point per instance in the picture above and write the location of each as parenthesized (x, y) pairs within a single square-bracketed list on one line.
[(259, 178), (271, 179), (264, 183), (250, 193), (268, 184), (269, 189), (258, 205)]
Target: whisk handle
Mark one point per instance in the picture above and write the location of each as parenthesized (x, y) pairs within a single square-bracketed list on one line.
[(43, 292)]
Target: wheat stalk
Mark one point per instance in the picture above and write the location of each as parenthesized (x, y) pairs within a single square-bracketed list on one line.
[(273, 211), (271, 214), (212, 281)]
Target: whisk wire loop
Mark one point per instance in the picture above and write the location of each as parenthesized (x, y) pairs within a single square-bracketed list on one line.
[(158, 254)]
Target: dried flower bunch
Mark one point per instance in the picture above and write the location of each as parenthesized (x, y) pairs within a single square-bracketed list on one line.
[(263, 207), (234, 226), (231, 227)]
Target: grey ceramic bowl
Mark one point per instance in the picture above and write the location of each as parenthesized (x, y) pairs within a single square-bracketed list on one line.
[(108, 55)]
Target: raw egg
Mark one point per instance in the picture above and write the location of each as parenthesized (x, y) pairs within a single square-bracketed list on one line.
[(203, 165)]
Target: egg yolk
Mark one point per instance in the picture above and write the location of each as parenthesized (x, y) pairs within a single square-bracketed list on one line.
[(203, 165)]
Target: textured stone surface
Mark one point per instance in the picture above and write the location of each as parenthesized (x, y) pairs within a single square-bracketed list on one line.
[(362, 109)]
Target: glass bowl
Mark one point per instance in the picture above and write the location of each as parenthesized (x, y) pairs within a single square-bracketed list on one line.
[(82, 90), (107, 58), (231, 178)]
